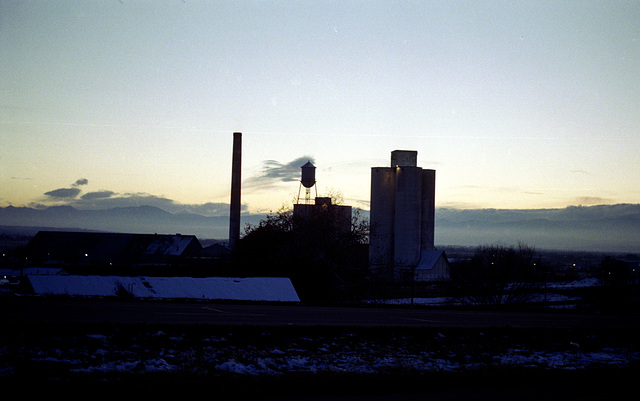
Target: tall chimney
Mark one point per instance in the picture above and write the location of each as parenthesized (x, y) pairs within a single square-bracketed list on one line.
[(234, 220)]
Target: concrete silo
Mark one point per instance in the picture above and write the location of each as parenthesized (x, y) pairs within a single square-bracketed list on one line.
[(402, 215)]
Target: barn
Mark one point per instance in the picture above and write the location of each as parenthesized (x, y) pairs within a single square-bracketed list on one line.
[(109, 249), (433, 266)]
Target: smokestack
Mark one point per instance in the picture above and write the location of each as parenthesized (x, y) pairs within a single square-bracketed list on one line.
[(236, 168)]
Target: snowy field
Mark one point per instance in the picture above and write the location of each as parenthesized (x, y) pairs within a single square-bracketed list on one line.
[(258, 352), (107, 354)]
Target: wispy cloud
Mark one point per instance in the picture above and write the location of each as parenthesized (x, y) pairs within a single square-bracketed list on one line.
[(274, 172)]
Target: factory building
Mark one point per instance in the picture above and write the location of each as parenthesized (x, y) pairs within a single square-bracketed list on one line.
[(308, 208), (338, 215), (402, 218)]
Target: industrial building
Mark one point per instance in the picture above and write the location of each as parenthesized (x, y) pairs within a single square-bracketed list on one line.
[(402, 222), (308, 208)]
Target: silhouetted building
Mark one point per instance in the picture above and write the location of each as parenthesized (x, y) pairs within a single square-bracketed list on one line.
[(310, 208), (110, 249), (338, 215)]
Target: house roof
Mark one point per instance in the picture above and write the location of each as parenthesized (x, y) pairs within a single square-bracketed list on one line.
[(429, 258), (174, 245), (216, 250)]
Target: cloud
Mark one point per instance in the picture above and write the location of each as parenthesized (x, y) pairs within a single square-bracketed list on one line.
[(67, 193), (102, 200), (592, 200), (274, 172), (277, 171), (207, 209), (458, 205), (97, 195), (106, 199), (63, 193)]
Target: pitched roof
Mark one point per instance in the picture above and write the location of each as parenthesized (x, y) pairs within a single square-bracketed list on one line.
[(429, 258)]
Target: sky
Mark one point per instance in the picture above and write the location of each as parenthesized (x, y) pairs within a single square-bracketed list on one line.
[(516, 105)]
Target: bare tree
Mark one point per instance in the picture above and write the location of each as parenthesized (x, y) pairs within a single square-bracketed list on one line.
[(499, 275), (324, 256)]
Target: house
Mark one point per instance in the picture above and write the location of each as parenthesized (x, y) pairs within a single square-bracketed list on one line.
[(433, 266), (216, 252), (66, 248)]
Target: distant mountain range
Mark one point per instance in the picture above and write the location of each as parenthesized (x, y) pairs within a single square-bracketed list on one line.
[(604, 228), (608, 228)]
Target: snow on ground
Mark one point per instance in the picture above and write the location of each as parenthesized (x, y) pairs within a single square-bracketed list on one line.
[(584, 283), (277, 289), (550, 296), (267, 353), (264, 353)]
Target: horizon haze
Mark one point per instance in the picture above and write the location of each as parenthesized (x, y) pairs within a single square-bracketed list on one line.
[(603, 228)]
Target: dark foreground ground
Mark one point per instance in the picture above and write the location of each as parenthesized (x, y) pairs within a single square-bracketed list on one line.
[(88, 360), (489, 385)]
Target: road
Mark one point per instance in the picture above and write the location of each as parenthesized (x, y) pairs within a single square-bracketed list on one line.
[(36, 309)]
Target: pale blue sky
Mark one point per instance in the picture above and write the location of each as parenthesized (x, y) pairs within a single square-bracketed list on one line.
[(527, 104)]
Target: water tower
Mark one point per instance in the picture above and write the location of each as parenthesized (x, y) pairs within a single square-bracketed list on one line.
[(308, 181)]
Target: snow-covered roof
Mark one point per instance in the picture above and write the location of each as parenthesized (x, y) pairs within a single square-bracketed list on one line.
[(277, 289), (173, 245), (428, 258)]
